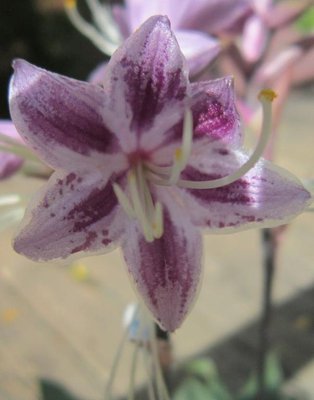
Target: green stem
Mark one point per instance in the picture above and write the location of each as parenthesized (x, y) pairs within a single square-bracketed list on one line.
[(269, 262)]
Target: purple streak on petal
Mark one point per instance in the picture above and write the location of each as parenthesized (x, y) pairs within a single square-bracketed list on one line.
[(146, 82), (214, 112), (215, 119), (54, 112), (265, 196), (167, 271), (198, 48), (74, 213)]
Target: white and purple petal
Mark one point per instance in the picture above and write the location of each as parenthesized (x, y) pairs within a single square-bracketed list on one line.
[(146, 82), (166, 272), (214, 113), (266, 196), (60, 118), (9, 163), (198, 48), (215, 119), (74, 213)]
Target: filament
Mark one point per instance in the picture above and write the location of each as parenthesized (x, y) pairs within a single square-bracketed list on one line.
[(138, 207), (104, 21), (88, 29), (123, 200), (182, 154)]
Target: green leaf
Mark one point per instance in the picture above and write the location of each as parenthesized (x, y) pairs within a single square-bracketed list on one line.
[(202, 368), (306, 22), (273, 380), (193, 389)]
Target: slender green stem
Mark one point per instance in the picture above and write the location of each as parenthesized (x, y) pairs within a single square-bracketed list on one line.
[(108, 392), (160, 381), (269, 262), (133, 371), (148, 369)]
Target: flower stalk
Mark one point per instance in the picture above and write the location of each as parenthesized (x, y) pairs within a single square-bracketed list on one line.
[(269, 244)]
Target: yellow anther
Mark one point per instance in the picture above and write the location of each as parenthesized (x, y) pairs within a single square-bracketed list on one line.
[(267, 94), (178, 154), (131, 176), (70, 3)]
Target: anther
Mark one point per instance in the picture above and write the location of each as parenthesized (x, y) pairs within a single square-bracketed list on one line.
[(157, 225), (70, 3), (267, 94), (123, 200), (138, 207), (181, 155)]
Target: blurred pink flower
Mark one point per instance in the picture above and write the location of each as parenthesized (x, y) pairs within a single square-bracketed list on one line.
[(9, 162)]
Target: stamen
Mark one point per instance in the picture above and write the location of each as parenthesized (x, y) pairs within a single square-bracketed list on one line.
[(124, 201), (70, 3), (141, 205), (104, 21), (176, 167), (136, 200), (88, 29), (182, 154), (266, 97), (158, 223)]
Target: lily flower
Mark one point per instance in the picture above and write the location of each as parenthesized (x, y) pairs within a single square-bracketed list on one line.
[(144, 161)]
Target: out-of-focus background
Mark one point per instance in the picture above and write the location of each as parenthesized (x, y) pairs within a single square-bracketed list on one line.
[(60, 325)]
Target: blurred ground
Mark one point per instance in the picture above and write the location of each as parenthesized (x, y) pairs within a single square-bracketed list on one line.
[(57, 329)]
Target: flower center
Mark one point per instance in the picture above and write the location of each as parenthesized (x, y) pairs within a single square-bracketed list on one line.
[(140, 204)]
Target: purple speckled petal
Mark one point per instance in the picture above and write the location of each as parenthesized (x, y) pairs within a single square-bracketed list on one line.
[(167, 271), (214, 114), (59, 117), (73, 213), (198, 48), (9, 163), (266, 196), (146, 82)]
